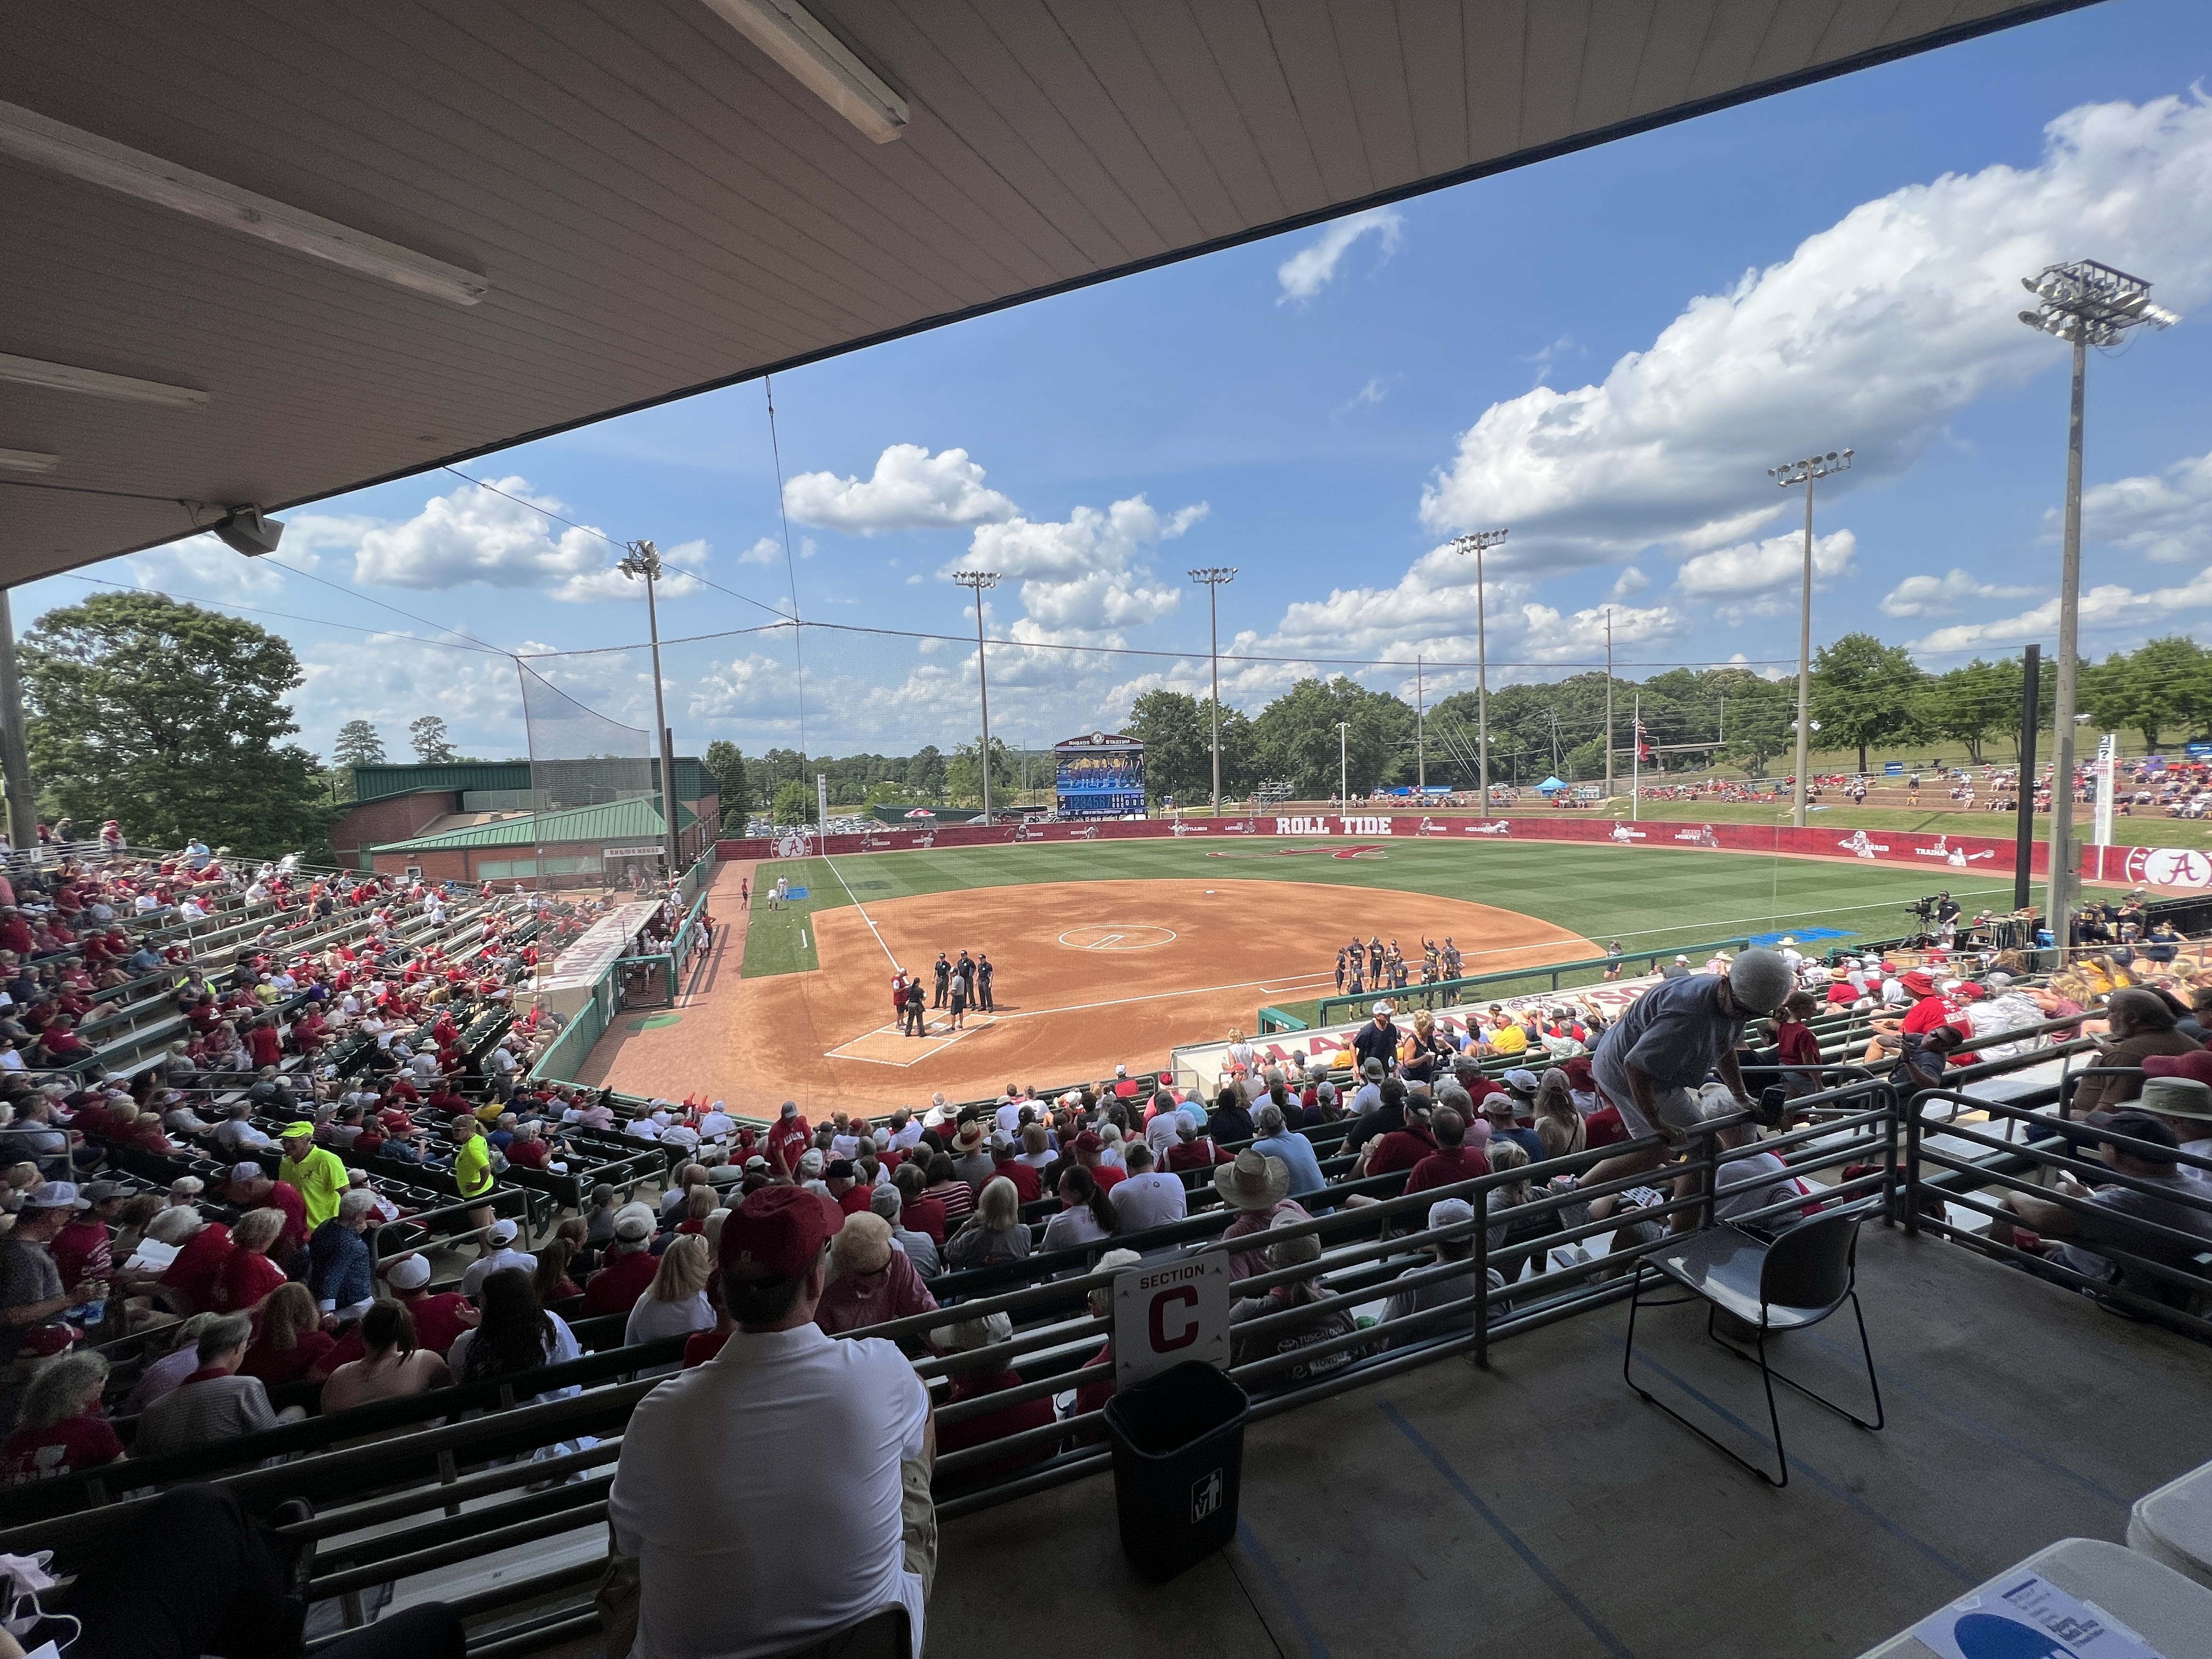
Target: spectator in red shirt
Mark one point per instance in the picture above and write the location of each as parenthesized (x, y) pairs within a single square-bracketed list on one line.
[(251, 1188), (968, 1336), (188, 1282), (1453, 1161), (845, 1187), (923, 1214), (1403, 1139), (1090, 1152), (263, 1043), (875, 1282), (1255, 1186), (1005, 1161), (292, 1341), (788, 1138), (1797, 1046), (1192, 1149), (81, 1250), (629, 1266), (248, 1276), (59, 1428), (951, 1194)]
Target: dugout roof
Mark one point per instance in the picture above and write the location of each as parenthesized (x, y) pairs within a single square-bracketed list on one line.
[(568, 208)]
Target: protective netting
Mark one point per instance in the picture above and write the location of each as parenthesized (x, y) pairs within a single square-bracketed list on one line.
[(579, 758)]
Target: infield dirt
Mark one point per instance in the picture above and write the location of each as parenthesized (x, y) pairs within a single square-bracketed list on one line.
[(1087, 973)]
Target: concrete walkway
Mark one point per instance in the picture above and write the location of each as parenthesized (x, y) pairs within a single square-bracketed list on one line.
[(1542, 1508)]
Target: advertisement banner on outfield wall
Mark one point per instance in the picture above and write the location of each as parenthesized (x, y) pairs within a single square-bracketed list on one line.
[(1202, 1064), (1989, 855)]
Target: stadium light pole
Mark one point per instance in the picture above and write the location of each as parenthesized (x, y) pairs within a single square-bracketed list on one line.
[(977, 580), (1478, 542), (1608, 703), (1343, 767), (1790, 474), (2085, 304), (1213, 576), (643, 559)]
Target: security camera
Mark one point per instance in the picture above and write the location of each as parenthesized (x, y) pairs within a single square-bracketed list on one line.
[(245, 530)]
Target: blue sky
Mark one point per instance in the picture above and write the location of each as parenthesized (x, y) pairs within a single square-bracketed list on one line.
[(1604, 353)]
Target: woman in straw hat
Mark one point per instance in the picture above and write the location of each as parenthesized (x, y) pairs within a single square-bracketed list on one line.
[(1255, 1186)]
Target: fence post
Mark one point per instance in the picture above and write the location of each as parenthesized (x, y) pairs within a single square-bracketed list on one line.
[(1912, 1110), (1709, 1155), (1482, 1276), (1889, 1195)]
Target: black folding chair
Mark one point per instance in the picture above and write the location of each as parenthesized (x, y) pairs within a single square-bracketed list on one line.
[(1798, 1280)]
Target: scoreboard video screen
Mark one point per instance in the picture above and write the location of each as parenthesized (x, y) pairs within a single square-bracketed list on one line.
[(1100, 776)]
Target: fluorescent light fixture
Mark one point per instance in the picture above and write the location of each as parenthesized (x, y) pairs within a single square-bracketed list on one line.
[(66, 377), (29, 137), (789, 33), (28, 460)]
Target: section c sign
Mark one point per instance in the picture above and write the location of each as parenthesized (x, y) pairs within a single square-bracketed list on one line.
[(1168, 1312)]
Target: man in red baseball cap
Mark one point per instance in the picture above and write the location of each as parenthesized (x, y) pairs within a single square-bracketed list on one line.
[(742, 1545)]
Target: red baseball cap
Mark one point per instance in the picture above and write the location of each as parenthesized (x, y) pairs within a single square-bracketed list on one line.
[(778, 1232), (1088, 1142), (2196, 1065)]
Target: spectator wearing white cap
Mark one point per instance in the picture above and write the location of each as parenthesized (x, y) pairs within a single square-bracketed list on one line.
[(499, 1252), (31, 1288), (629, 1265), (1457, 1215)]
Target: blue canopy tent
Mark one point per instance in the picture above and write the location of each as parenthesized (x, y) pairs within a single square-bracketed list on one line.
[(1549, 785)]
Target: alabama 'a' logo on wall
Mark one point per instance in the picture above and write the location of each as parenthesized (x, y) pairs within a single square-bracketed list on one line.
[(2168, 866)]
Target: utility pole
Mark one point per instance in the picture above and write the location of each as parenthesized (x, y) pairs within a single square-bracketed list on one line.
[(2085, 304), (1343, 766), (1420, 731), (1608, 703), (643, 559), (977, 580), (1636, 762), (1213, 576), (2031, 714), (1478, 544), (1790, 474), (14, 751)]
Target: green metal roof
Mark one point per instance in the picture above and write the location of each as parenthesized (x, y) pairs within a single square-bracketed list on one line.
[(635, 823)]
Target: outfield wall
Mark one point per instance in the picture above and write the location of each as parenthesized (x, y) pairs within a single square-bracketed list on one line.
[(1986, 854)]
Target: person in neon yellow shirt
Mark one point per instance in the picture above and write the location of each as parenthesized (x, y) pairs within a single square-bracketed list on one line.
[(472, 1167), (318, 1173)]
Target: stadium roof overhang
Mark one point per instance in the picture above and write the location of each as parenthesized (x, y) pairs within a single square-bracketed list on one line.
[(326, 246)]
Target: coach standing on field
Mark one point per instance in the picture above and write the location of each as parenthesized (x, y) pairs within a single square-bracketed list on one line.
[(1651, 1062)]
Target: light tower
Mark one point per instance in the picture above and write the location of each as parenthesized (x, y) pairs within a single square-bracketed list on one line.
[(1479, 543), (1790, 474), (977, 581), (1213, 576)]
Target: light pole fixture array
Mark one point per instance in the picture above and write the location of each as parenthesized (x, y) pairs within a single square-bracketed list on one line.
[(977, 581), (1479, 543), (1213, 576), (1790, 474), (2085, 304), (642, 561)]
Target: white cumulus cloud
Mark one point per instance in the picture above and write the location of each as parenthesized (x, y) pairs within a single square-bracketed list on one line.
[(910, 490), (1943, 596), (2167, 517), (1313, 267), (766, 550), (499, 537), (2106, 606), (1085, 579), (1757, 567), (1872, 333)]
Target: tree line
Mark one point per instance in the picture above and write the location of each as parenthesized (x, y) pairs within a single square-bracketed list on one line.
[(176, 720)]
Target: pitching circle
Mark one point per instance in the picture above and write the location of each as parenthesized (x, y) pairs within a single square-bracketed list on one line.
[(1117, 936)]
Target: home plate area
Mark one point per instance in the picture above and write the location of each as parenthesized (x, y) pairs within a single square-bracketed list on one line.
[(886, 1045)]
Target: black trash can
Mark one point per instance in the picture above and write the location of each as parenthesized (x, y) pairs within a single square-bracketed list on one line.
[(1178, 1444)]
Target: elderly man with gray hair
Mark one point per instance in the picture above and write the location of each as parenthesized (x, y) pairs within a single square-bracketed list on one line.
[(921, 1248), (341, 1262), (214, 1403), (2140, 1024)]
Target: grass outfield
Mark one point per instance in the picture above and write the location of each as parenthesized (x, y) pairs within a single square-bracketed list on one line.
[(2149, 831), (1647, 897)]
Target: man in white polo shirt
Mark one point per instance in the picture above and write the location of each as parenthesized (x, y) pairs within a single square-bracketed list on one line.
[(744, 1547)]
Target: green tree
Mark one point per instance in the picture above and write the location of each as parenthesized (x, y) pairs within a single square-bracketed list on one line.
[(1864, 693), (432, 747), (1970, 702), (2159, 684), (727, 768), (1295, 737), (794, 803), (1178, 741), (925, 774), (964, 774), (358, 744), (167, 717)]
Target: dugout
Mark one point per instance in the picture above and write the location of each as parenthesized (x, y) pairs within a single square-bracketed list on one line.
[(1101, 775)]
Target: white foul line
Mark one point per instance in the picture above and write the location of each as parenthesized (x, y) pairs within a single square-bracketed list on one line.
[(862, 908)]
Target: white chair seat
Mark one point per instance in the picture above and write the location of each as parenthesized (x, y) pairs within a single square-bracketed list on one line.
[(1722, 1265), (2173, 1525)]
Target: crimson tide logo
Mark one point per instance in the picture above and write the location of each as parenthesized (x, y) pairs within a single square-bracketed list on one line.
[(2168, 866)]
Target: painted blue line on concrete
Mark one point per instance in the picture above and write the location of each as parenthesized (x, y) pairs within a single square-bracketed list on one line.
[(1988, 1431), (1833, 1488), (1530, 1558), (1315, 1648)]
